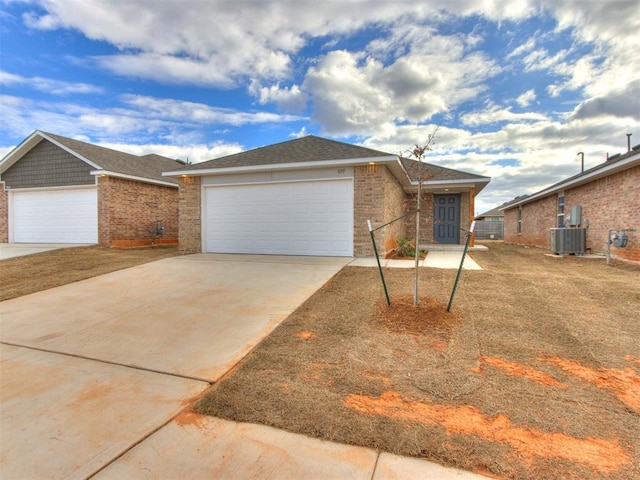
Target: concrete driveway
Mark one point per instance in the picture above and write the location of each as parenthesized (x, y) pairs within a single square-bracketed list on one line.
[(90, 369), (12, 250)]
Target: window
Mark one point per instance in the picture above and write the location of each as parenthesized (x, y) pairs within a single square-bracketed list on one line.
[(560, 220), (519, 221)]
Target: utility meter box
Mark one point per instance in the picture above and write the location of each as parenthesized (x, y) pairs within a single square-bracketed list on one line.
[(575, 217), (620, 240)]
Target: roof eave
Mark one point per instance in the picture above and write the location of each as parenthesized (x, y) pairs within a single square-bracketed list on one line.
[(462, 183), (607, 169), (124, 176), (282, 166)]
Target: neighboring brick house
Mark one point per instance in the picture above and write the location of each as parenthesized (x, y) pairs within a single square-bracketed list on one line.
[(490, 224), (58, 190), (609, 195), (313, 196)]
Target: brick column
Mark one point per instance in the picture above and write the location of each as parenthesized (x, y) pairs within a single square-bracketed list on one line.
[(104, 212), (190, 221)]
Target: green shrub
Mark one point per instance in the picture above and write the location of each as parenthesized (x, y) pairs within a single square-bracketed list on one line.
[(406, 247)]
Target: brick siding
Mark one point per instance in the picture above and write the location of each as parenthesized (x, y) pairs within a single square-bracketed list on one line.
[(190, 224), (377, 197), (537, 218), (610, 202), (426, 217), (4, 214), (128, 210)]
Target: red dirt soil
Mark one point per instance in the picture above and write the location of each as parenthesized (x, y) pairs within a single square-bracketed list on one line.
[(602, 455), (305, 335), (523, 371), (623, 383)]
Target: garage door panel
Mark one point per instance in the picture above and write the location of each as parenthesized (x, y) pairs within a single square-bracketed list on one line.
[(297, 218), (57, 216)]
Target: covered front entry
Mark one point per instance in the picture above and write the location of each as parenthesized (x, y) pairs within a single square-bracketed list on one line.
[(54, 216), (312, 217), (446, 218)]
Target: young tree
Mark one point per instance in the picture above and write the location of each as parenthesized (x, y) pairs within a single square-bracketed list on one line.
[(417, 152)]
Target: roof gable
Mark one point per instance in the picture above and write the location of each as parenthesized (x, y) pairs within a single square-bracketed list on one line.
[(147, 166), (101, 159)]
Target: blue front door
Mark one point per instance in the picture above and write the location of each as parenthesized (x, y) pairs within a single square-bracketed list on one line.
[(446, 218)]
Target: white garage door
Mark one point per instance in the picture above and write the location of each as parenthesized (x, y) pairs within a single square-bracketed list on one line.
[(292, 218), (55, 216)]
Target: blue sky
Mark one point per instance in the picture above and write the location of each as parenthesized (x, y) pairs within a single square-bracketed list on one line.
[(516, 87)]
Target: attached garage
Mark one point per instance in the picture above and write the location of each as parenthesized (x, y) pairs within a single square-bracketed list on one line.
[(311, 196), (313, 217), (59, 190), (54, 216)]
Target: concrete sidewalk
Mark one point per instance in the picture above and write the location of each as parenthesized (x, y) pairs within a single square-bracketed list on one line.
[(196, 446), (438, 256)]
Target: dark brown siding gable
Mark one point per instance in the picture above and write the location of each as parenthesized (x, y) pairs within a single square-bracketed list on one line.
[(47, 165)]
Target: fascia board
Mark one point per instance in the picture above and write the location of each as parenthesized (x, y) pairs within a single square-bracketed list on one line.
[(470, 182), (19, 151), (68, 150), (132, 177), (31, 141), (576, 182), (282, 166)]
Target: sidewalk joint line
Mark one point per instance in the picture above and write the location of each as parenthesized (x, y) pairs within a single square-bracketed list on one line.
[(108, 362)]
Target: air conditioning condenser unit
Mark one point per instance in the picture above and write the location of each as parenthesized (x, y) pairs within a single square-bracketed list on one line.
[(569, 240)]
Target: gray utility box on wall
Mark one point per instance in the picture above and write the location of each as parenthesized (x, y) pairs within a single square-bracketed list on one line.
[(568, 240), (574, 219)]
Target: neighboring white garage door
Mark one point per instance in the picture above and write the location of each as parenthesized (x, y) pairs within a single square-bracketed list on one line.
[(289, 218), (54, 216)]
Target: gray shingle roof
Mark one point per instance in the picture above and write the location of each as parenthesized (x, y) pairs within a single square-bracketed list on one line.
[(305, 149), (434, 172), (315, 149), (147, 166), (615, 163)]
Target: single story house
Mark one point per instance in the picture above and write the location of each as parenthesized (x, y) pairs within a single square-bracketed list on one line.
[(313, 196), (600, 199), (58, 190)]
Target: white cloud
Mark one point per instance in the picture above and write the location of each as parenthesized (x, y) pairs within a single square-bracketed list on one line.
[(288, 99), (526, 98), (523, 48), (191, 153), (138, 117), (496, 114), (358, 93), (299, 134), (198, 113), (624, 102), (51, 86), (212, 42)]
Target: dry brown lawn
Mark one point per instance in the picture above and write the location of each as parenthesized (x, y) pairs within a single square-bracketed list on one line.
[(41, 271), (534, 374)]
